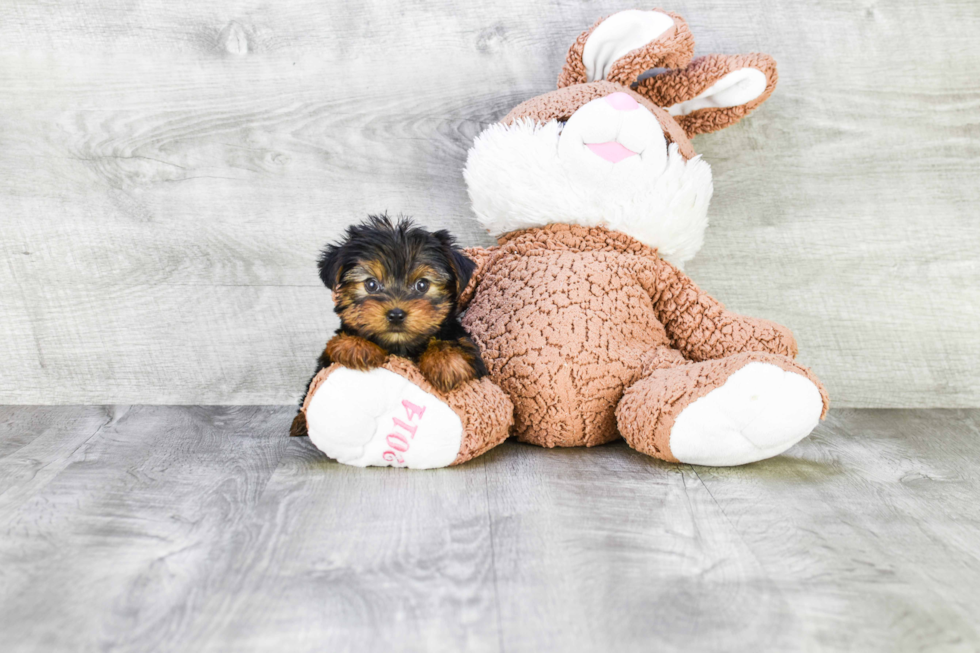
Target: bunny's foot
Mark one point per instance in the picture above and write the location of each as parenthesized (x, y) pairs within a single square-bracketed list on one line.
[(732, 411), (391, 416)]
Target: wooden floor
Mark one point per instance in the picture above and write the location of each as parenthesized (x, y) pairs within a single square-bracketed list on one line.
[(154, 528)]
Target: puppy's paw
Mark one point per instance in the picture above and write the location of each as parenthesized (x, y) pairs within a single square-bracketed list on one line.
[(298, 428), (355, 352), (445, 365)]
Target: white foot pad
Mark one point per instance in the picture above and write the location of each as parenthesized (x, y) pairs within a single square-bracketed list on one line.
[(380, 418), (760, 412)]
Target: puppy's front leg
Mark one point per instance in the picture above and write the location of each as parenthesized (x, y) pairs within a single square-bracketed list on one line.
[(298, 428), (348, 350), (447, 363), (355, 352)]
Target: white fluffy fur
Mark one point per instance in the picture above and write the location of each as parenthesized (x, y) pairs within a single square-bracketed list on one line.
[(516, 180)]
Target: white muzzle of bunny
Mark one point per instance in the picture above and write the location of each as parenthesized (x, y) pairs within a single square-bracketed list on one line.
[(609, 165)]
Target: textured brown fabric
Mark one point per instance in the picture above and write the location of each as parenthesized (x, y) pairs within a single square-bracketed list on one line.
[(646, 414), (569, 317), (561, 104), (673, 49), (573, 72), (699, 326), (669, 88), (484, 410)]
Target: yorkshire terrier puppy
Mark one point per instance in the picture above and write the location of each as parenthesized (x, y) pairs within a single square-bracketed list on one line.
[(395, 288)]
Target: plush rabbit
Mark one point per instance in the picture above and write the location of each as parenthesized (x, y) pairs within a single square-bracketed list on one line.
[(582, 313)]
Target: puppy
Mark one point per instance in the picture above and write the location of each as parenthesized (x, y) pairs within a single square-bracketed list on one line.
[(395, 288)]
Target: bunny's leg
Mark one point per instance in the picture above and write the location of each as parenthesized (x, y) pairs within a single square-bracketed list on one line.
[(391, 416), (730, 411)]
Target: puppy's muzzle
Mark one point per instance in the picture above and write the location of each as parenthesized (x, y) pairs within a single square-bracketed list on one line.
[(396, 316)]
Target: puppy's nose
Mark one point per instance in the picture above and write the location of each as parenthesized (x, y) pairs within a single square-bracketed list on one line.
[(396, 316), (622, 102)]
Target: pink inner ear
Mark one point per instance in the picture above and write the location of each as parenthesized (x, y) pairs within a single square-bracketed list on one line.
[(611, 151)]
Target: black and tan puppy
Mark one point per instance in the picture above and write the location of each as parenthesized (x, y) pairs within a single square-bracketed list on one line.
[(395, 288)]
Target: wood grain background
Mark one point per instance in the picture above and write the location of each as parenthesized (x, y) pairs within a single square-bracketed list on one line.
[(169, 170)]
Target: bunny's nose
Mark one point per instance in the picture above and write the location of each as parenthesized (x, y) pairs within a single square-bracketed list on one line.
[(396, 316), (622, 102)]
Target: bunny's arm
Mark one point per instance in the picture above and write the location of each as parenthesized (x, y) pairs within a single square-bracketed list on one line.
[(700, 326), (480, 256)]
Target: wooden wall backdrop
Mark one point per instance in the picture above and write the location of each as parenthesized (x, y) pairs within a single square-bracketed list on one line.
[(169, 170)]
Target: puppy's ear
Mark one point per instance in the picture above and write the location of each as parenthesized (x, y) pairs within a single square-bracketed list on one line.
[(330, 266), (462, 266)]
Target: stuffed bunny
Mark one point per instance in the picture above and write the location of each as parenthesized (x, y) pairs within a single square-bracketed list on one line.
[(582, 313)]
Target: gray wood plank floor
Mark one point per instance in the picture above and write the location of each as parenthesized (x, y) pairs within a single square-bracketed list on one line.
[(153, 528)]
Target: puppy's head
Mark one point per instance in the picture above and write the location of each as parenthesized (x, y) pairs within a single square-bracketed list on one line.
[(394, 283)]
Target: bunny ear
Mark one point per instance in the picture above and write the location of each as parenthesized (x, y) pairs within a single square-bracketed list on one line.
[(714, 91), (621, 47)]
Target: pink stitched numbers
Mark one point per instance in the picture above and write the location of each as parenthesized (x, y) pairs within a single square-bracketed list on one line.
[(397, 440)]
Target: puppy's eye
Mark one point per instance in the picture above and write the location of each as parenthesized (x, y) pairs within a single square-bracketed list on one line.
[(422, 285), (372, 285)]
